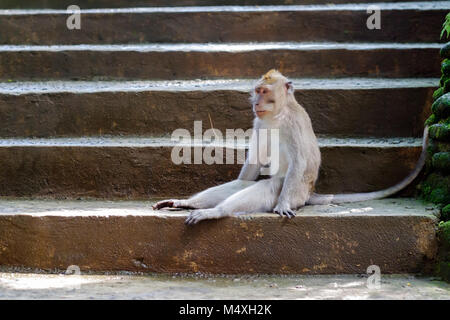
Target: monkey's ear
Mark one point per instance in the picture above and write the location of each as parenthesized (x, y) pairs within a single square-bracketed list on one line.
[(289, 87)]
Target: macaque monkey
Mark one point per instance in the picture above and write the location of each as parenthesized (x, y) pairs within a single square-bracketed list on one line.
[(291, 185)]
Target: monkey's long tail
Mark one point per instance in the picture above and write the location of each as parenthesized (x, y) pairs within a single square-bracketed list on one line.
[(355, 197)]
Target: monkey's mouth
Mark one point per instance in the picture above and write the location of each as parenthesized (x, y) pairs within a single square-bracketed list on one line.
[(260, 113)]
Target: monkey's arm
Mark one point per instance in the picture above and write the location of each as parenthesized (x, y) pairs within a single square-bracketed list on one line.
[(249, 172), (252, 167), (294, 192)]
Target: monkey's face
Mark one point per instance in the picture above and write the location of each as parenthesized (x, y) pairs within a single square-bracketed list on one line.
[(270, 94), (263, 101)]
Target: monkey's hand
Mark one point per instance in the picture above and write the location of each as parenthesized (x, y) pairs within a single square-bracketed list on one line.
[(284, 210), (172, 203), (203, 214)]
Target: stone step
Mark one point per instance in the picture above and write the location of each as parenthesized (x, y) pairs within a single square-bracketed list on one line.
[(351, 106), (63, 4), (142, 167), (398, 235), (23, 283), (342, 23), (239, 60)]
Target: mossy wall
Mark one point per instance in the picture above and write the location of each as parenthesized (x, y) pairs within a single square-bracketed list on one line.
[(443, 265), (436, 185)]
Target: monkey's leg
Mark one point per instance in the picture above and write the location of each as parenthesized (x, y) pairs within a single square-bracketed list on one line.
[(292, 197), (259, 197), (208, 198)]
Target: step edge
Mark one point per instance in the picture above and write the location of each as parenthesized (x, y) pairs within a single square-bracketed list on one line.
[(221, 47), (239, 85), (399, 6), (325, 141), (125, 209)]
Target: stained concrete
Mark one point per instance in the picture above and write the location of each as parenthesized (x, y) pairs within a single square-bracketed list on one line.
[(398, 235), (342, 23), (141, 168), (214, 61), (353, 106)]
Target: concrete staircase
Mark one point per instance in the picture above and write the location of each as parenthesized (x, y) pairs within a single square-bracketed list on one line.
[(87, 116)]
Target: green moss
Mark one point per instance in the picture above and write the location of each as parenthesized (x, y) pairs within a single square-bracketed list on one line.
[(441, 161), (443, 79), (439, 195), (445, 213), (445, 67), (444, 237), (441, 107), (438, 93), (432, 147), (443, 258), (435, 146), (445, 51), (444, 232), (441, 146), (436, 188), (445, 121), (443, 270), (440, 132), (431, 120), (446, 87)]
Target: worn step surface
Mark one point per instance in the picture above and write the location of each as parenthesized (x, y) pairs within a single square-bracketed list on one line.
[(63, 4), (219, 60), (33, 284), (352, 106), (398, 235), (139, 167), (343, 23)]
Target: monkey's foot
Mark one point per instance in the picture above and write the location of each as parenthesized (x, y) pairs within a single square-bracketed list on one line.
[(284, 211), (171, 203), (203, 214)]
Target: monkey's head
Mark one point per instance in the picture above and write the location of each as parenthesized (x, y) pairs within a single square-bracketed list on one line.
[(270, 94)]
